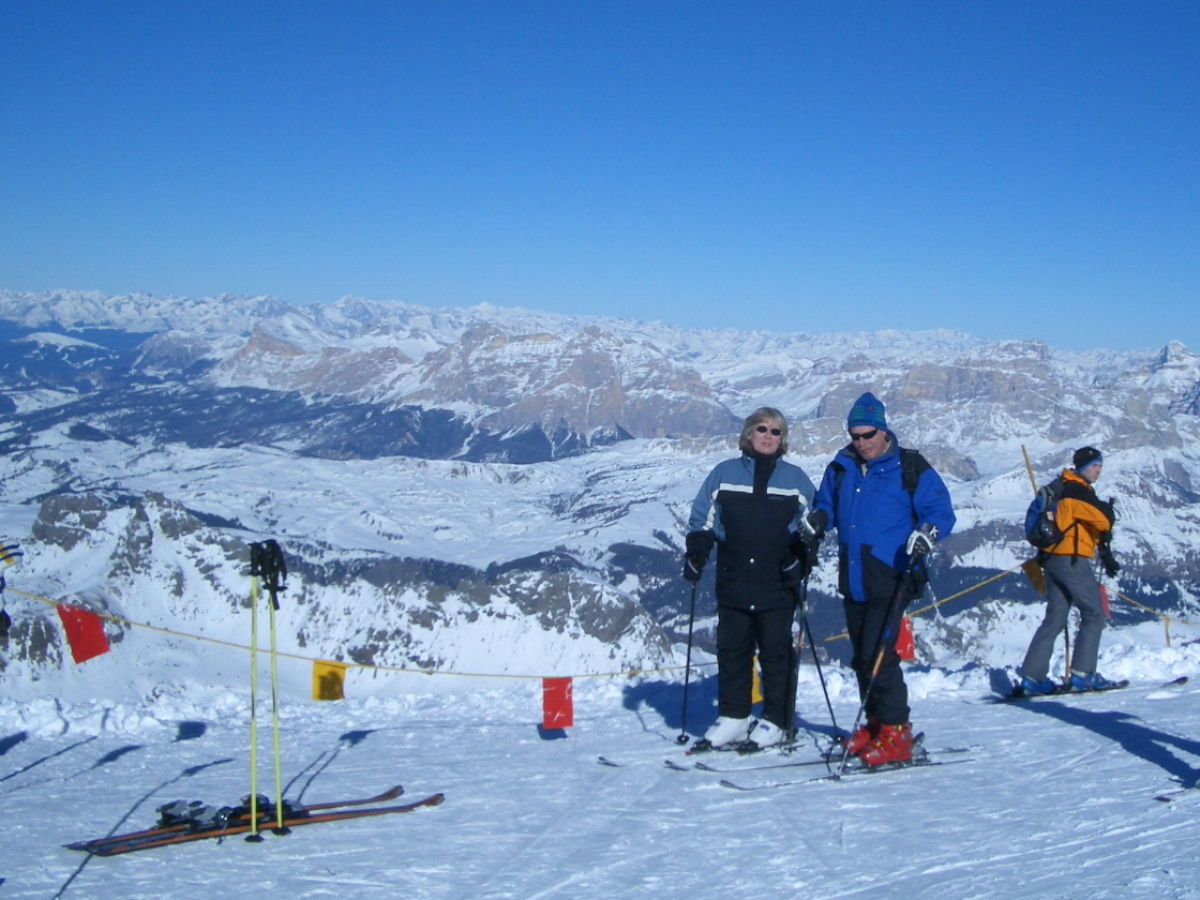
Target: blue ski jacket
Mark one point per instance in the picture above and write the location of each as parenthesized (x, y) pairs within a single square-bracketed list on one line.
[(874, 513)]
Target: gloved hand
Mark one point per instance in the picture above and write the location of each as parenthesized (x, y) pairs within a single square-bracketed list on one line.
[(1111, 568), (5, 623), (793, 571), (921, 541), (699, 544), (815, 524)]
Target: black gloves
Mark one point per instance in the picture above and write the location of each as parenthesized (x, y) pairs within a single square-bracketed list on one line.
[(1107, 560), (816, 523), (920, 542), (5, 623), (699, 545)]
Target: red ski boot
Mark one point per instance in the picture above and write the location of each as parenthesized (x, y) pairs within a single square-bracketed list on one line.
[(893, 744), (863, 736)]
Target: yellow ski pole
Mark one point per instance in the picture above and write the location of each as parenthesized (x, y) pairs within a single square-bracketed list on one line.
[(273, 569)]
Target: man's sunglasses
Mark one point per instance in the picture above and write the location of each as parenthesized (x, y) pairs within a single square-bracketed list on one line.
[(864, 435), (763, 429)]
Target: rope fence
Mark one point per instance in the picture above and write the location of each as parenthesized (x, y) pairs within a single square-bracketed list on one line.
[(1168, 621)]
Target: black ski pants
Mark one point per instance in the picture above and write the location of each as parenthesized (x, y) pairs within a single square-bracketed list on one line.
[(739, 632), (865, 623)]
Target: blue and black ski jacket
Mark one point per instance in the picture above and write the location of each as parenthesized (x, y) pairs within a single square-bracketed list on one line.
[(754, 526)]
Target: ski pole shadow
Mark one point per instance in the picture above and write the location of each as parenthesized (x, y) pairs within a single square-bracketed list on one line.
[(38, 762), (1127, 730), (186, 773), (325, 759), (113, 755)]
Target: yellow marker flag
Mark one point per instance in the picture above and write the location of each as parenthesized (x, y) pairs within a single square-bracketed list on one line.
[(329, 680)]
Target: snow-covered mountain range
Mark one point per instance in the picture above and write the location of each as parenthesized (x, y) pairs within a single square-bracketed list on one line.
[(503, 491)]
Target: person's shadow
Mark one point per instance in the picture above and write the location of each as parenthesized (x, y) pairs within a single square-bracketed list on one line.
[(666, 700), (1152, 745)]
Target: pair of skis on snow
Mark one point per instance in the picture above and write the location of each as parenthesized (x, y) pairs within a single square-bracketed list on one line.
[(921, 757), (196, 825), (1065, 691)]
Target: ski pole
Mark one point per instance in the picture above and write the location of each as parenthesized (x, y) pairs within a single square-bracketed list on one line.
[(683, 737), (277, 568), (273, 568), (254, 570), (885, 635), (794, 669), (820, 675), (266, 563), (803, 632)]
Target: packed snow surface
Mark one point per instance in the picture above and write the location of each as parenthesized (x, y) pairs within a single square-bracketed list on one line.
[(1051, 798)]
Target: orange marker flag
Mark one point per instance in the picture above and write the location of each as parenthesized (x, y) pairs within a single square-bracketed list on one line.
[(328, 680)]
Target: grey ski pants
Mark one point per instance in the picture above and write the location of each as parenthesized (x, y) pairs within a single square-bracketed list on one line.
[(1070, 581)]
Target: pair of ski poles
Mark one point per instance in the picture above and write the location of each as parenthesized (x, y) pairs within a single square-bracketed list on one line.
[(268, 566)]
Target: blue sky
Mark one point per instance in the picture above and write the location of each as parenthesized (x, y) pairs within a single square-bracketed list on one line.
[(1008, 169)]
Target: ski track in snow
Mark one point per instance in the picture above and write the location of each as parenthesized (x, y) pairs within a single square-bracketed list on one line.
[(1056, 800)]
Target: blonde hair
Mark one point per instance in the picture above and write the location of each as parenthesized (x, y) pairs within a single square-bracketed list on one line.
[(756, 418)]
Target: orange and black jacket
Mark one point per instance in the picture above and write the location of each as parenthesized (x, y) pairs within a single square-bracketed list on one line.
[(1083, 518)]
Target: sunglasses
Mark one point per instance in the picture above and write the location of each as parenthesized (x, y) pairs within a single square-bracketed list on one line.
[(864, 435), (763, 429)]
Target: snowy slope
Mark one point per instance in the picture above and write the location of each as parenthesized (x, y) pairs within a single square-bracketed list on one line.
[(1055, 798)]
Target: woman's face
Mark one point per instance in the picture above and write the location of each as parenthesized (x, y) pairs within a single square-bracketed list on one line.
[(766, 437)]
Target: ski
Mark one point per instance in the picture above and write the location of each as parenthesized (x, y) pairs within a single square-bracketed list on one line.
[(1018, 695), (854, 772), (740, 748), (834, 757), (194, 815), (605, 761), (222, 830)]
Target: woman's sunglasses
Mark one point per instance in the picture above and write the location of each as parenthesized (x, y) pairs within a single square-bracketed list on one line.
[(763, 429)]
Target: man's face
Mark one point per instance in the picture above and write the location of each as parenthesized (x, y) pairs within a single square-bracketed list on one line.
[(869, 442)]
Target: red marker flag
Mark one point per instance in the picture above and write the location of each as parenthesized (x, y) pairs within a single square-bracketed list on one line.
[(85, 632), (558, 709), (906, 646)]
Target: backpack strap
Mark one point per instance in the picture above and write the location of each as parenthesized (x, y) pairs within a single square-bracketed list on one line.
[(912, 466)]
